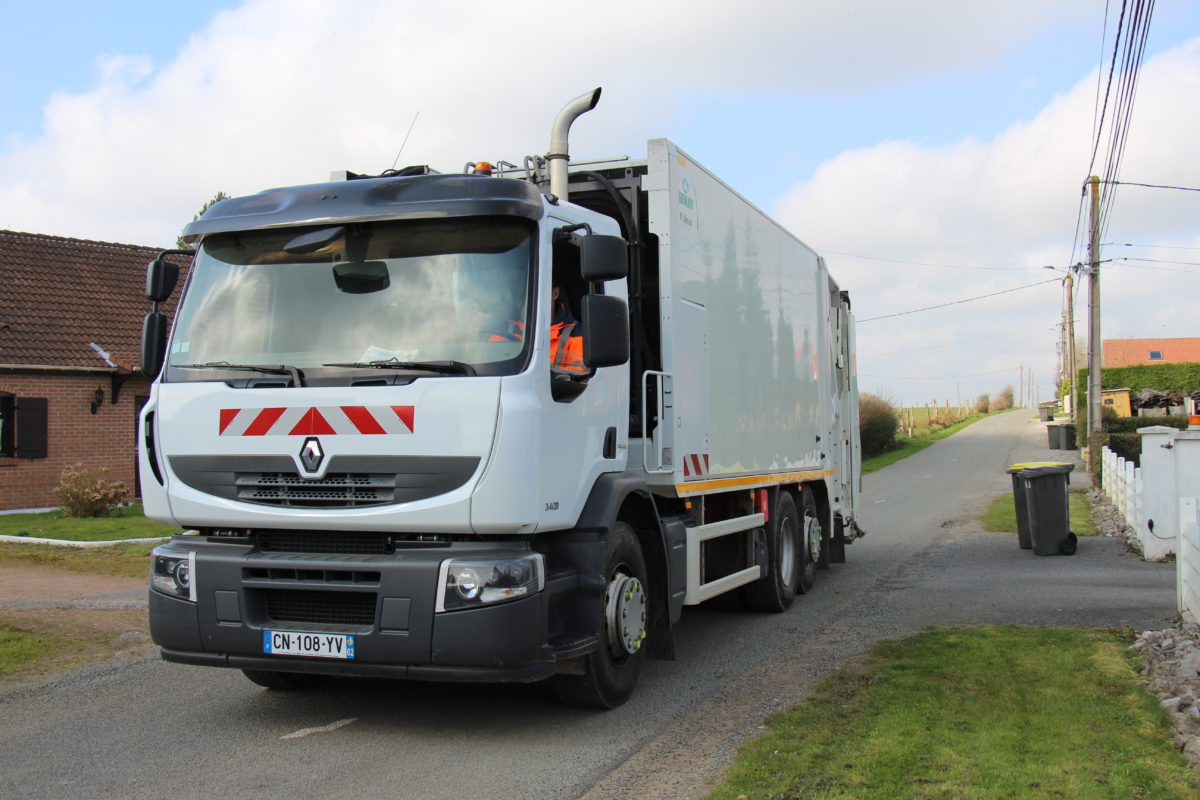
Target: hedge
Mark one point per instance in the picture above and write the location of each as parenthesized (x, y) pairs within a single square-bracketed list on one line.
[(1181, 378)]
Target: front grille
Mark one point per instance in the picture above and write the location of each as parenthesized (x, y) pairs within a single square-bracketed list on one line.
[(329, 608), (348, 543), (335, 490)]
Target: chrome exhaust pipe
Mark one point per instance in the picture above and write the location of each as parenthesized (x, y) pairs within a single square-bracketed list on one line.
[(558, 155)]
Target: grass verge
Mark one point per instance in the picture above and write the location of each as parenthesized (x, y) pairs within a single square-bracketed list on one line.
[(1001, 515), (19, 649), (127, 522), (908, 446), (975, 713), (122, 560)]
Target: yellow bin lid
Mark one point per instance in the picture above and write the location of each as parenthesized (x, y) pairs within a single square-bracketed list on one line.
[(1036, 464)]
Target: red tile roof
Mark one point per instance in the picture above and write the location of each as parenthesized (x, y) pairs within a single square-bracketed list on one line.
[(57, 295), (1128, 352)]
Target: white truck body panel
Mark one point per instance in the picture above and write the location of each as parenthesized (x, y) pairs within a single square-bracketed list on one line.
[(745, 337)]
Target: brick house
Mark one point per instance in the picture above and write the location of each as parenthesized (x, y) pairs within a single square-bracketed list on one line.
[(1129, 352), (70, 387)]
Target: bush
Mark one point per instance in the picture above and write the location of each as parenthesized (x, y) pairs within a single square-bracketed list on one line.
[(1004, 400), (877, 424), (983, 405), (83, 493), (1131, 424), (1126, 445)]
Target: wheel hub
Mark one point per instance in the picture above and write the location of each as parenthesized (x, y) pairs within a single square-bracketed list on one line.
[(625, 614), (812, 538)]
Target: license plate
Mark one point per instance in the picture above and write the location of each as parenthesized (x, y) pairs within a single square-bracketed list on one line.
[(313, 645)]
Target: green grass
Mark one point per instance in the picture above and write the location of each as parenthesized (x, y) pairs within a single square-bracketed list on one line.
[(907, 447), (1001, 515), (122, 560), (126, 523), (975, 713), (19, 648)]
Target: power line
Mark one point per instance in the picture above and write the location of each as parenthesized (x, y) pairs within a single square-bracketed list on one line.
[(1155, 246), (1006, 334), (916, 263), (959, 302), (940, 378), (1153, 185)]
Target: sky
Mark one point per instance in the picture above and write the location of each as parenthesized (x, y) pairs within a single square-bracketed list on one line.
[(932, 151)]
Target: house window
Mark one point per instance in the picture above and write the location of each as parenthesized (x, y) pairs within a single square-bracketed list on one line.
[(7, 424), (23, 426), (1156, 355)]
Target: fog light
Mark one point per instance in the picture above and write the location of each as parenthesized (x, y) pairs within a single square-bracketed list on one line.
[(469, 583)]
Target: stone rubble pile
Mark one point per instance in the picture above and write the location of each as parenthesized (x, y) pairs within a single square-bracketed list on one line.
[(1109, 521), (1172, 673)]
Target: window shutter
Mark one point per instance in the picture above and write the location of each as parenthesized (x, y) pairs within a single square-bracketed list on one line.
[(32, 427)]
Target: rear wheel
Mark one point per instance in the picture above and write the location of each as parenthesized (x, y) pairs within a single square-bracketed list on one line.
[(812, 542), (777, 590), (611, 671), (285, 681)]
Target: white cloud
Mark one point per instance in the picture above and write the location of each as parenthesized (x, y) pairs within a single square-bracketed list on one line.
[(1011, 201), (279, 92)]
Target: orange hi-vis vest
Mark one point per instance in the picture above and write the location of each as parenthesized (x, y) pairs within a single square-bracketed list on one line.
[(566, 351)]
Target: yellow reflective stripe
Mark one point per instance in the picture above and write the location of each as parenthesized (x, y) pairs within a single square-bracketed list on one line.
[(750, 481)]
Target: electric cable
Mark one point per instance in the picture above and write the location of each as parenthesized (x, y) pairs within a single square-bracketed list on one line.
[(959, 302)]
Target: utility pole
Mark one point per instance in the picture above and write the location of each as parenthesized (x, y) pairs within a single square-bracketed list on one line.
[(1095, 361), (1070, 349)]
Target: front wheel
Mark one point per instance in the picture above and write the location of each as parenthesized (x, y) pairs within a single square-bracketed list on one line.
[(611, 671)]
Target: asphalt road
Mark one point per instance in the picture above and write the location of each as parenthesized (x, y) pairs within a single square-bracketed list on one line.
[(149, 729)]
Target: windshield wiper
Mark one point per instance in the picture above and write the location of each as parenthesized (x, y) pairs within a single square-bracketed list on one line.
[(283, 369), (440, 367)]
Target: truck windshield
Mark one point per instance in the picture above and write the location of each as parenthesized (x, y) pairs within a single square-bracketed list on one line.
[(385, 295)]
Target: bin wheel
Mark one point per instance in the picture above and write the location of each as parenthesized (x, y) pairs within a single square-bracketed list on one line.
[(1067, 546)]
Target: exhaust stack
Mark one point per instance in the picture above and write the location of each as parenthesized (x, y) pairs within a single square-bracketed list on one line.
[(558, 155)]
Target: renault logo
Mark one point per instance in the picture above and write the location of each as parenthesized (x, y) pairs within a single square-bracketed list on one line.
[(311, 454)]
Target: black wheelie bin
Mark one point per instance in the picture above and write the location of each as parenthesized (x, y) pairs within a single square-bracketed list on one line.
[(1046, 487), (1040, 500)]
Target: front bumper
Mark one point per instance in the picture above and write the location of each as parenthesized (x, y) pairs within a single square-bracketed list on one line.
[(385, 601)]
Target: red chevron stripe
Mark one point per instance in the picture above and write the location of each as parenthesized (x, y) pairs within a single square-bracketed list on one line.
[(312, 424), (362, 419), (227, 415), (263, 422), (406, 415)]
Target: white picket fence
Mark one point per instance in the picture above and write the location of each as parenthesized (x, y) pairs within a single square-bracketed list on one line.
[(1122, 485), (1160, 501)]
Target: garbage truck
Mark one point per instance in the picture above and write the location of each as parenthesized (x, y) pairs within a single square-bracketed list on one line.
[(501, 425)]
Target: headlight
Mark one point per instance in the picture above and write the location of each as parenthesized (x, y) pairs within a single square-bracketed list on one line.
[(173, 574), (472, 582)]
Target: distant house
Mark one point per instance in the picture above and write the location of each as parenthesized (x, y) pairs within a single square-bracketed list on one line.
[(70, 389), (1130, 352)]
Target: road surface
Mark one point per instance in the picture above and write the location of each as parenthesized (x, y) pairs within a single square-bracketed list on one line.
[(149, 729)]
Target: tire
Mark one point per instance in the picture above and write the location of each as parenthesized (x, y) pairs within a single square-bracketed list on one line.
[(813, 546), (285, 681), (611, 671), (775, 592), (1068, 545)]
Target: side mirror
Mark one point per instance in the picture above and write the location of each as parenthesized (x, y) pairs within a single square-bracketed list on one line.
[(603, 258), (154, 343), (605, 329), (161, 277)]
